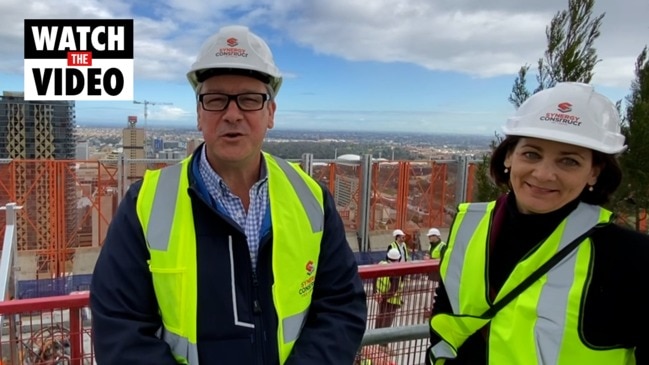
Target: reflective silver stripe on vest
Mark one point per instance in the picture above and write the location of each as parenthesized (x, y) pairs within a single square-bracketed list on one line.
[(312, 208), (442, 350), (163, 208), (180, 346), (293, 326), (553, 302), (472, 217)]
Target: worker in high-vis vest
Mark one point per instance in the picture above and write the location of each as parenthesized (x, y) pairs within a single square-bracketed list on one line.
[(543, 275), (437, 246), (400, 244), (232, 256), (389, 292)]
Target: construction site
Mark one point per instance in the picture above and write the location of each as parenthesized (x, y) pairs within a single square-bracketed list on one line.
[(65, 208), (67, 205), (57, 211)]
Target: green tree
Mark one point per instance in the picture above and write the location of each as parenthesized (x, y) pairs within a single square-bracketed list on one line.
[(570, 56), (485, 188), (633, 196), (519, 90)]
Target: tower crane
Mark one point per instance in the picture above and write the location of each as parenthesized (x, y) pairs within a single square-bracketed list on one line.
[(146, 104)]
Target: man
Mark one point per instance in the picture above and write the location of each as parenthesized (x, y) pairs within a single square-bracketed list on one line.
[(435, 251), (232, 256), (437, 246), (400, 244)]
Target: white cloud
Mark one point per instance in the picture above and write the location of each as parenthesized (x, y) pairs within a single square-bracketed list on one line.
[(476, 37), (615, 71), (483, 42), (483, 38), (169, 113)]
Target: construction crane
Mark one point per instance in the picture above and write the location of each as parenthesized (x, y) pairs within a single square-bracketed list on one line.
[(146, 116)]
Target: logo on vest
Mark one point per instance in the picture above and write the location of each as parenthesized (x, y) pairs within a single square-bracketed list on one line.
[(310, 268), (307, 285)]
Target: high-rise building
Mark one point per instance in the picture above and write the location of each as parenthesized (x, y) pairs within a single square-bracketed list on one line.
[(33, 133), (192, 144), (82, 151), (36, 129), (158, 144), (133, 144)]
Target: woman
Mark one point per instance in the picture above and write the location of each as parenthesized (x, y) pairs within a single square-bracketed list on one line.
[(542, 275)]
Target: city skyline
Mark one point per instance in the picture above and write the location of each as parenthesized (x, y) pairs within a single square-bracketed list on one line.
[(349, 65)]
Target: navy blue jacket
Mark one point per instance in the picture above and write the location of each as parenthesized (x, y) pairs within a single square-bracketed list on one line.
[(125, 313)]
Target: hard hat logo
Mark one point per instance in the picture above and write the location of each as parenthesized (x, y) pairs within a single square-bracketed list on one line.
[(564, 107), (559, 118), (231, 52)]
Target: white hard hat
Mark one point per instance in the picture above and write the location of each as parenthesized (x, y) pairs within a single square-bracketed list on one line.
[(394, 254), (433, 232), (397, 232), (572, 113), (235, 49)]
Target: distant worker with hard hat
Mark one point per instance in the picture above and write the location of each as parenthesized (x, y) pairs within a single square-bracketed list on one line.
[(400, 244), (543, 275), (437, 246), (389, 291), (232, 256)]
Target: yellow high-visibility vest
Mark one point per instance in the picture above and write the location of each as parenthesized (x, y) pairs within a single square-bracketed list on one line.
[(540, 325), (436, 253), (383, 285), (394, 244), (297, 227)]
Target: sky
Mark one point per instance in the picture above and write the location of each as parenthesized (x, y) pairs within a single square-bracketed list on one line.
[(423, 66)]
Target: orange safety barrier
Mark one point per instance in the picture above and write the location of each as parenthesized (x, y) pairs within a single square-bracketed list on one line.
[(69, 204)]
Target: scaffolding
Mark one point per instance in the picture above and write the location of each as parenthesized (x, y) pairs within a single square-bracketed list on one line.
[(409, 195), (41, 131)]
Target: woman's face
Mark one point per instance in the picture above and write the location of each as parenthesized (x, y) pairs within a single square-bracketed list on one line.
[(546, 175)]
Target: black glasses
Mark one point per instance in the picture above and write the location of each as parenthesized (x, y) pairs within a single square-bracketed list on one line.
[(217, 102)]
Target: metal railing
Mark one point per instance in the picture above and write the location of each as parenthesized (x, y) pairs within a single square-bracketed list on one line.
[(8, 267), (9, 251), (52, 330), (406, 340), (57, 330)]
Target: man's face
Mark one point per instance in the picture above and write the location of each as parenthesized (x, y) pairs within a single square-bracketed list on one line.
[(434, 239), (234, 137), (401, 239)]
